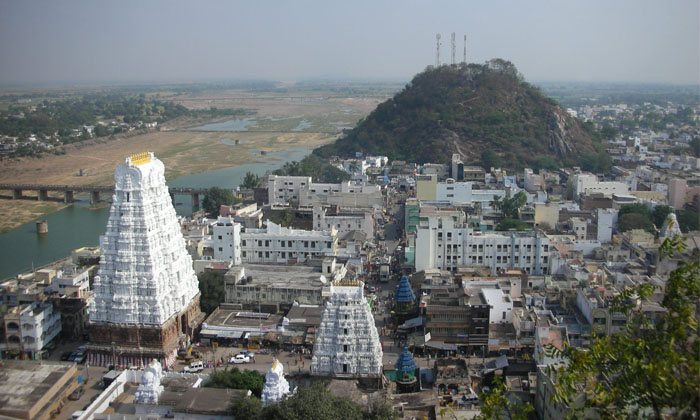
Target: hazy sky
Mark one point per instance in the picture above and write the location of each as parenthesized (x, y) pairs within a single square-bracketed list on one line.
[(587, 40)]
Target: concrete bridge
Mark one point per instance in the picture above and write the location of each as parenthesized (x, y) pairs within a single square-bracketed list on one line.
[(94, 191)]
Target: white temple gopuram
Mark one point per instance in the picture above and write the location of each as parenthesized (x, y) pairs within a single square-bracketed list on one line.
[(150, 388), (347, 343), (146, 292), (276, 385)]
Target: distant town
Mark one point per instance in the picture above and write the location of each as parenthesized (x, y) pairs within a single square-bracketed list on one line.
[(425, 290)]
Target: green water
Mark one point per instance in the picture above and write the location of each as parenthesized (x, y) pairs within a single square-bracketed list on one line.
[(78, 226)]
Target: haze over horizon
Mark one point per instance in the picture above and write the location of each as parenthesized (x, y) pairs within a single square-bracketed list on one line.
[(158, 41)]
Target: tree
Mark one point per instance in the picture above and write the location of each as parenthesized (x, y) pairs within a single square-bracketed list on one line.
[(489, 159), (508, 224), (638, 208), (496, 405), (659, 215), (250, 180), (211, 287), (248, 408), (236, 379), (649, 370), (510, 206), (634, 221), (215, 198), (313, 402)]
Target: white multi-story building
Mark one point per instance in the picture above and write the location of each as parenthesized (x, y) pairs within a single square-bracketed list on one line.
[(277, 244), (606, 220), (445, 245), (70, 280), (465, 193), (588, 184), (532, 181), (344, 221), (29, 328), (226, 241), (282, 189), (272, 244), (501, 304), (345, 194)]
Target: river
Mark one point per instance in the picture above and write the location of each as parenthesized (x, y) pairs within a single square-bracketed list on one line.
[(77, 225)]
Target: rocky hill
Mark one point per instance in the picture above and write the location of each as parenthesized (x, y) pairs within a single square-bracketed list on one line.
[(486, 113)]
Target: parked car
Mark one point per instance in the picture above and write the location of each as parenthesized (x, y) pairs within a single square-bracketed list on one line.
[(194, 367), (66, 355), (75, 395), (247, 353), (240, 358), (80, 357)]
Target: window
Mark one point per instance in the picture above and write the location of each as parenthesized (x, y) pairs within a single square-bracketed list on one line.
[(267, 243), (221, 249), (345, 348), (243, 242), (220, 238)]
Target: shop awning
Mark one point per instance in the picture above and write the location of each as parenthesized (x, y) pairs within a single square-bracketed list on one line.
[(441, 345), (230, 334)]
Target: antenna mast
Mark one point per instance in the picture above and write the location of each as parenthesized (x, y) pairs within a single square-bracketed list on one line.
[(454, 48), (465, 49), (437, 55)]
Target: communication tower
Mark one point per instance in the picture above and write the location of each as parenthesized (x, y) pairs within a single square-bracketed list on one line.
[(437, 55), (465, 49), (454, 48)]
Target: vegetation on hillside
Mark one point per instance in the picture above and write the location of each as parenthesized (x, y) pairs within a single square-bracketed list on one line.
[(318, 169), (468, 109)]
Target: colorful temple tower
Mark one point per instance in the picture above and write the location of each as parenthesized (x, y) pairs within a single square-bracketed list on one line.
[(406, 372)]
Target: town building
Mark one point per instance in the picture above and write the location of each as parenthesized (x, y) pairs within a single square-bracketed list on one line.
[(344, 220), (146, 294), (29, 330), (282, 285), (272, 244), (35, 389), (454, 316), (444, 244)]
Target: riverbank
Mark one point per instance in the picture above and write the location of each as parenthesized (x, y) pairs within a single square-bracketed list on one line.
[(184, 153), (18, 212)]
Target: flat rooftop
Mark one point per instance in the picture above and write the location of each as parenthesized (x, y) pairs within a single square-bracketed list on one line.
[(200, 400), (281, 276), (241, 319), (305, 315), (24, 383)]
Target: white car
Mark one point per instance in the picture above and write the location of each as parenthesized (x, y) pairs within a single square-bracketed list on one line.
[(240, 358), (194, 367)]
